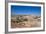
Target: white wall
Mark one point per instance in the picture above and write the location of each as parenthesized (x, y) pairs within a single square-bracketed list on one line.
[(2, 19), (2, 23)]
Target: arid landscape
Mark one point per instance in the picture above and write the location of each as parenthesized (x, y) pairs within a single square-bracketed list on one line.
[(25, 21), (25, 16)]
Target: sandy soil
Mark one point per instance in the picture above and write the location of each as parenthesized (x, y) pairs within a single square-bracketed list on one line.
[(25, 21)]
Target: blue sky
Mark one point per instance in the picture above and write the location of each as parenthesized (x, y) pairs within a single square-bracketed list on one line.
[(25, 10)]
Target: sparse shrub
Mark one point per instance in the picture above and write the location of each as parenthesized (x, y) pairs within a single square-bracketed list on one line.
[(19, 19), (25, 19), (35, 17), (12, 20)]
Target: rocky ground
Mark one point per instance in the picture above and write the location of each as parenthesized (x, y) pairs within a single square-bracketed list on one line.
[(25, 21)]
